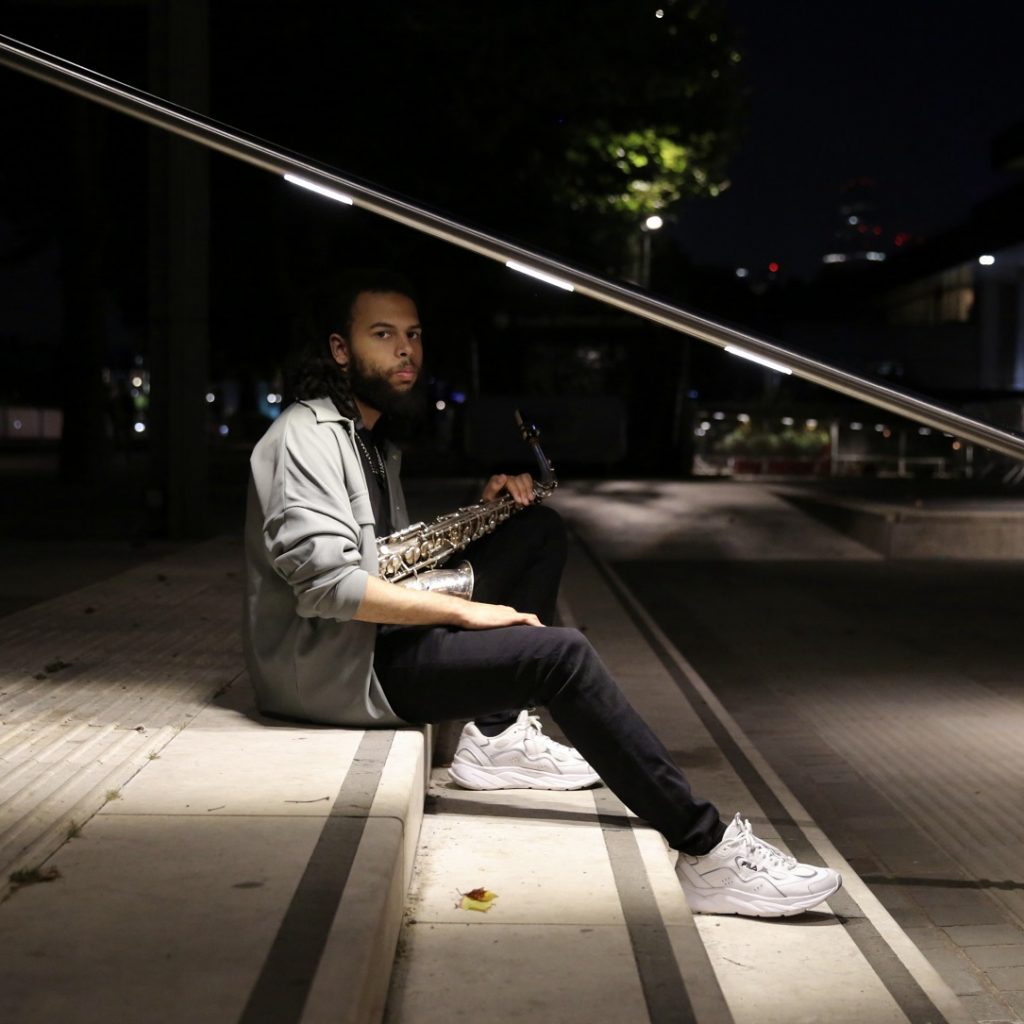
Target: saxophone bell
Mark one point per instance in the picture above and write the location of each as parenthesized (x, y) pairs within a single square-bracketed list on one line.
[(456, 580)]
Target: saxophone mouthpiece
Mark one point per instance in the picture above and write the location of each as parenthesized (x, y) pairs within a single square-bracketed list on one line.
[(528, 431)]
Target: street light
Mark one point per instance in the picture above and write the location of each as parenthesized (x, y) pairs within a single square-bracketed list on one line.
[(652, 223)]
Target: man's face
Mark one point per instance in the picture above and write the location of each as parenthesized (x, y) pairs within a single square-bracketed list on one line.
[(383, 353)]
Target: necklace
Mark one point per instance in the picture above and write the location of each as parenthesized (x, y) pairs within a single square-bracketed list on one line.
[(376, 467)]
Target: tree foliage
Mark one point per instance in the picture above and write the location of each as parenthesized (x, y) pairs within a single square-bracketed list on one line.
[(549, 118)]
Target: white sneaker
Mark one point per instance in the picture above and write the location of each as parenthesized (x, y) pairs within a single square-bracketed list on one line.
[(521, 757), (746, 875)]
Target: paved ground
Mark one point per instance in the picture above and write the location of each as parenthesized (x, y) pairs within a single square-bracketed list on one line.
[(888, 695)]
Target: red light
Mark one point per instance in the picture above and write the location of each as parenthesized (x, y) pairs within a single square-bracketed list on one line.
[(877, 231), (773, 267)]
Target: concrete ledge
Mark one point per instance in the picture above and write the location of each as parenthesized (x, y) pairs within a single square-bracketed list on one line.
[(257, 870), (897, 531)]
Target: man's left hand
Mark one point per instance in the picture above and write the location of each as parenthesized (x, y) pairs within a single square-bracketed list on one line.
[(519, 487)]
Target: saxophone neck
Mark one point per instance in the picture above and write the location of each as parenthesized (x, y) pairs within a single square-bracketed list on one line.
[(531, 435)]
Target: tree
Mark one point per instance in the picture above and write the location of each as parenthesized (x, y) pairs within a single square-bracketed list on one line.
[(561, 123)]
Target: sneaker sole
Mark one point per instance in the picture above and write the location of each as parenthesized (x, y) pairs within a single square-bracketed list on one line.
[(475, 777), (724, 902)]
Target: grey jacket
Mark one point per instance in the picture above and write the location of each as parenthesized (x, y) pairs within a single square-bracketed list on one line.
[(309, 548)]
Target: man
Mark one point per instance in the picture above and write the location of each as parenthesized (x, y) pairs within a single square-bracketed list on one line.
[(327, 640)]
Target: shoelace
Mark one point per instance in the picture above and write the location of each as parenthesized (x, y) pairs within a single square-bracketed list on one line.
[(761, 852), (534, 729)]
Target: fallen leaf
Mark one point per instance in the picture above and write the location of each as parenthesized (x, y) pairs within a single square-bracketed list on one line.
[(31, 876), (477, 899)]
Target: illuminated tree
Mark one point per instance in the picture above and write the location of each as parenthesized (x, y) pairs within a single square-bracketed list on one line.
[(562, 122)]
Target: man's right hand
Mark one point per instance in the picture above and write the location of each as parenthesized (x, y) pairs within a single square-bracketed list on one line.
[(493, 616)]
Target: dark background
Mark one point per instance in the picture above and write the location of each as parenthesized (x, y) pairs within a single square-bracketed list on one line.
[(483, 112)]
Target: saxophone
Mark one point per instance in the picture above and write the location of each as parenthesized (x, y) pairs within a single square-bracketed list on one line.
[(411, 557)]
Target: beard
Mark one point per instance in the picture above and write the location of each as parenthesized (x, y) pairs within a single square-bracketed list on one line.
[(401, 409)]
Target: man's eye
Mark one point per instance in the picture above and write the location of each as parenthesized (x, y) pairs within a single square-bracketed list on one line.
[(382, 334)]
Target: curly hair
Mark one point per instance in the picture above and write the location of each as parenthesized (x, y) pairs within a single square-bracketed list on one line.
[(329, 310)]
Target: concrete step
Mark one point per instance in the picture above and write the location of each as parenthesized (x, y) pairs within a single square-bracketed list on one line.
[(256, 871), (590, 923)]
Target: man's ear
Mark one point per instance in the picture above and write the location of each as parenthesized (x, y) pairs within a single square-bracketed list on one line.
[(339, 349)]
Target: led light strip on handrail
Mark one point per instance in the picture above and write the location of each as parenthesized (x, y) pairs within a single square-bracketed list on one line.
[(323, 180)]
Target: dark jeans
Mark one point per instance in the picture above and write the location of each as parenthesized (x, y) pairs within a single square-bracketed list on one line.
[(521, 565), (434, 673)]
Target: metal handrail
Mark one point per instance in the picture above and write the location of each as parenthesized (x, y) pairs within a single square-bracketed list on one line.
[(207, 132)]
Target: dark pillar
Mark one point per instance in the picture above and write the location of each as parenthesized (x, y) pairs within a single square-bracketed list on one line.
[(179, 274), (83, 440)]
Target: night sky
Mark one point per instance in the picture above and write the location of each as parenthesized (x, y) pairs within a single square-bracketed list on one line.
[(909, 93)]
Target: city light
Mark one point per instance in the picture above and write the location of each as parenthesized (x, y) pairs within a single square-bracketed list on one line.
[(787, 421), (440, 405), (856, 426), (653, 222), (136, 382), (834, 257), (742, 272), (210, 398), (876, 257), (540, 275), (773, 267), (777, 367), (223, 430), (986, 261), (330, 193), (140, 428)]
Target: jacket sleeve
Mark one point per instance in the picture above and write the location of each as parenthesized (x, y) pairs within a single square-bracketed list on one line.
[(310, 530)]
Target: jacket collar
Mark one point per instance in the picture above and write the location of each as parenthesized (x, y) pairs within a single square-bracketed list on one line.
[(324, 410)]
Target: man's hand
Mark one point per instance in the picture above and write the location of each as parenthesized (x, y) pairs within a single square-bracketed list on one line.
[(492, 616), (519, 487)]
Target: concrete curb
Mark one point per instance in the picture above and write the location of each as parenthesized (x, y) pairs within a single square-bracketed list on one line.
[(901, 532)]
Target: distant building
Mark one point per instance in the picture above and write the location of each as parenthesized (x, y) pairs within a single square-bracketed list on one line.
[(969, 282), (859, 234)]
